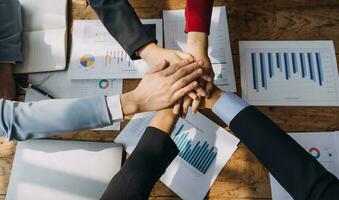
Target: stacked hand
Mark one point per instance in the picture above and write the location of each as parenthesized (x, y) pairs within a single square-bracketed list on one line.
[(154, 55), (162, 86), (197, 46)]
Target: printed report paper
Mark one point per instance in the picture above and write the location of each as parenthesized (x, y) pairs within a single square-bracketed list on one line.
[(219, 49), (323, 146), (58, 85), (97, 55), (204, 148), (289, 73)]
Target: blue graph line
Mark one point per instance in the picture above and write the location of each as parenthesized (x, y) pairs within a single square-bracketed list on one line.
[(287, 66), (303, 68), (255, 72), (294, 62), (270, 64), (310, 64), (320, 70), (278, 58), (263, 71)]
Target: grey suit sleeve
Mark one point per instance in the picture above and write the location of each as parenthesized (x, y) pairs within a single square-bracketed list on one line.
[(10, 31), (22, 121)]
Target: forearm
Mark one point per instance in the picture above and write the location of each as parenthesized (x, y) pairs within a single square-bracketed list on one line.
[(275, 149), (198, 15), (22, 121), (123, 24), (149, 160)]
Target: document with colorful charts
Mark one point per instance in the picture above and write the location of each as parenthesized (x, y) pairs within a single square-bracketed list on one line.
[(204, 148), (58, 85), (323, 146), (219, 49), (97, 55), (289, 73)]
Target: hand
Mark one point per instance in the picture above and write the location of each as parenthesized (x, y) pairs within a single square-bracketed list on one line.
[(197, 46), (161, 87), (153, 55), (7, 83)]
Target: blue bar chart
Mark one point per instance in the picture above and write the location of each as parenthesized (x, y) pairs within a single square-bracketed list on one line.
[(289, 73), (287, 63), (200, 156)]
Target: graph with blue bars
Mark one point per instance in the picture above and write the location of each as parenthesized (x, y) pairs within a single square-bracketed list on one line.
[(304, 65), (199, 155)]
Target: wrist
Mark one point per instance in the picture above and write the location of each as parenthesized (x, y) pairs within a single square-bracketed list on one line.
[(148, 50), (164, 120), (197, 41), (215, 95), (129, 103)]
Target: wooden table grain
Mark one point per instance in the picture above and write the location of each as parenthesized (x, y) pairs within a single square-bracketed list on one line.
[(243, 177)]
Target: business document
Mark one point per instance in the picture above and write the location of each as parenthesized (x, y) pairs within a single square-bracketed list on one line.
[(97, 55), (58, 85), (204, 149), (321, 145), (219, 49), (289, 73)]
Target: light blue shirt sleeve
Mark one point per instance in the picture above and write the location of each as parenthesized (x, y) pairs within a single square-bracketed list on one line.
[(23, 121), (228, 106)]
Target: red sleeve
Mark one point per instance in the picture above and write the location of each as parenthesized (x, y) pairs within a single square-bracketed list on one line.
[(198, 15)]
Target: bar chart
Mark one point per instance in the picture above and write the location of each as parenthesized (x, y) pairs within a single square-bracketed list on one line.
[(200, 156), (306, 65), (293, 73)]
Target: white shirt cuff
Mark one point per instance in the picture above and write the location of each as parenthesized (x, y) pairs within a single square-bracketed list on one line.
[(114, 107), (228, 106)]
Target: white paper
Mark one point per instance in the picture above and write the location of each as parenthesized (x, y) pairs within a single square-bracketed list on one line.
[(106, 58), (44, 36), (57, 85), (289, 73), (219, 49), (189, 181), (62, 170), (323, 146)]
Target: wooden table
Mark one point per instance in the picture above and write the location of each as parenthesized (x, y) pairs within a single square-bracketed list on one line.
[(243, 177)]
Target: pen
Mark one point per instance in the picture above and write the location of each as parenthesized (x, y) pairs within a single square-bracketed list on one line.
[(30, 85)]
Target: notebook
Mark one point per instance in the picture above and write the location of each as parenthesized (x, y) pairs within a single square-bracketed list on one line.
[(67, 170), (44, 36)]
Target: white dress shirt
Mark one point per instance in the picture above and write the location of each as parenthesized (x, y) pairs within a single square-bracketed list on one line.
[(228, 106)]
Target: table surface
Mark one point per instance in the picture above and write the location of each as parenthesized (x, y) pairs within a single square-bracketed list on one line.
[(243, 177)]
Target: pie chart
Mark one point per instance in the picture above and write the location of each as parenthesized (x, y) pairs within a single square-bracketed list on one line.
[(87, 61), (104, 84)]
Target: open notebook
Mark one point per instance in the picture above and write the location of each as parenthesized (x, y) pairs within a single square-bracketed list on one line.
[(44, 36)]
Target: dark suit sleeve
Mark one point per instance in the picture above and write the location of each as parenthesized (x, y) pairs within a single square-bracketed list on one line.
[(296, 170), (123, 24), (149, 160)]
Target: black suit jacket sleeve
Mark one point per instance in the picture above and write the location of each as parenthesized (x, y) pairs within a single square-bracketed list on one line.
[(149, 160), (295, 169), (123, 24)]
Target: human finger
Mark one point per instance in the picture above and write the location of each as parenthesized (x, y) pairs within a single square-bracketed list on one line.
[(186, 104), (185, 90), (176, 66), (177, 107), (182, 82)]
